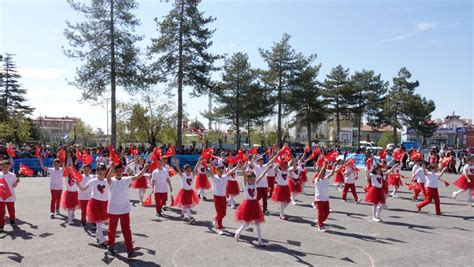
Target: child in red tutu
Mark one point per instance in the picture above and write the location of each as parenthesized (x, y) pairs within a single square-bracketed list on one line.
[(186, 197), (85, 196), (375, 194), (250, 211), (219, 181), (349, 182), (432, 188), (202, 181), (282, 192), (271, 177), (133, 167), (394, 179), (69, 198), (321, 196), (466, 181), (11, 181), (232, 187), (303, 172), (295, 183), (97, 205), (339, 178)]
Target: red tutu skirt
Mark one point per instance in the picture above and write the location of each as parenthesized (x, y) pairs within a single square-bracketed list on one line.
[(186, 199), (232, 188), (303, 176), (375, 195), (281, 194), (202, 182), (295, 188), (462, 182), (141, 182), (250, 212), (69, 200), (395, 179), (97, 211), (339, 178)]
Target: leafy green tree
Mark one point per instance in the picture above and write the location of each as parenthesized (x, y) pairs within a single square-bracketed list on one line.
[(281, 60), (399, 94), (182, 51), (105, 43), (339, 94), (369, 95), (258, 106), (306, 101), (417, 115), (387, 138), (12, 95), (83, 133)]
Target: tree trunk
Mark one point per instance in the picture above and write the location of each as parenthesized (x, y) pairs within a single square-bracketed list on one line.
[(279, 133), (113, 77), (237, 118), (248, 132), (179, 135), (395, 137), (308, 127), (338, 125), (359, 119)]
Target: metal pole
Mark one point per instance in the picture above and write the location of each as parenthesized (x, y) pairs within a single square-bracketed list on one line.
[(107, 113)]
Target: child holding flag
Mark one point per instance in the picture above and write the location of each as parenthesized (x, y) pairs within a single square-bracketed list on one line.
[(8, 183)]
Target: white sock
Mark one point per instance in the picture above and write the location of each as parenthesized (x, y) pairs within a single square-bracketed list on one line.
[(459, 191), (141, 193), (394, 190), (282, 208), (379, 210), (188, 212), (99, 234), (259, 232), (231, 200), (70, 215), (374, 211), (469, 196), (293, 196), (241, 229), (201, 193)]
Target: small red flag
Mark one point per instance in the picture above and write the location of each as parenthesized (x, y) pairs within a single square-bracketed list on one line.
[(38, 151), (113, 156), (4, 189), (170, 152), (382, 154), (445, 183), (446, 161), (148, 202), (79, 155), (207, 153), (315, 153), (66, 171), (76, 174), (253, 151), (86, 158), (307, 149), (11, 152), (62, 155), (332, 156), (171, 172), (24, 170), (398, 154), (369, 162)]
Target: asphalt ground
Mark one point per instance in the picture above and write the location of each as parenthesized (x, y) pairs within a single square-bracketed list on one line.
[(404, 238)]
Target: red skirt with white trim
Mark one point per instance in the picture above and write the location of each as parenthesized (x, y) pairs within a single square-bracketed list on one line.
[(395, 179), (295, 188), (141, 182), (281, 194), (462, 182), (232, 188), (202, 182), (339, 178), (250, 212), (385, 187), (303, 176), (186, 199), (69, 200), (97, 211), (375, 195)]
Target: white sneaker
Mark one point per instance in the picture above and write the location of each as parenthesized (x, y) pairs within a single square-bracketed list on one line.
[(237, 236), (314, 206), (455, 195), (395, 196), (375, 219), (220, 232), (69, 222), (260, 243), (322, 229), (293, 203)]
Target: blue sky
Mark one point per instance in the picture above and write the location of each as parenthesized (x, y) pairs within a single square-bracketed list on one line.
[(433, 39)]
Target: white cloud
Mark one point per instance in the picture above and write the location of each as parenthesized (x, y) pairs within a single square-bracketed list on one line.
[(426, 26), (43, 73)]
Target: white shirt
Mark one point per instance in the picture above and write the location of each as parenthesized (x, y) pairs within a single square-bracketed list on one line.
[(349, 175), (282, 177), (232, 176), (86, 194), (56, 178), (420, 175), (271, 171), (218, 185), (376, 180), (250, 191), (160, 177), (468, 169), (258, 170), (10, 178), (71, 185), (431, 180), (187, 182), (321, 189), (119, 198), (100, 189)]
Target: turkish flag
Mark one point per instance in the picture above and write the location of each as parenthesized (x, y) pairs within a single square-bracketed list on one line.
[(382, 154), (368, 163), (415, 155), (4, 189), (86, 158), (320, 162), (315, 153), (24, 170), (148, 201), (76, 174), (62, 155), (38, 151), (398, 154), (332, 156), (170, 152), (79, 155), (207, 153), (11, 151), (113, 156), (253, 151), (171, 172), (66, 171), (446, 161)]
